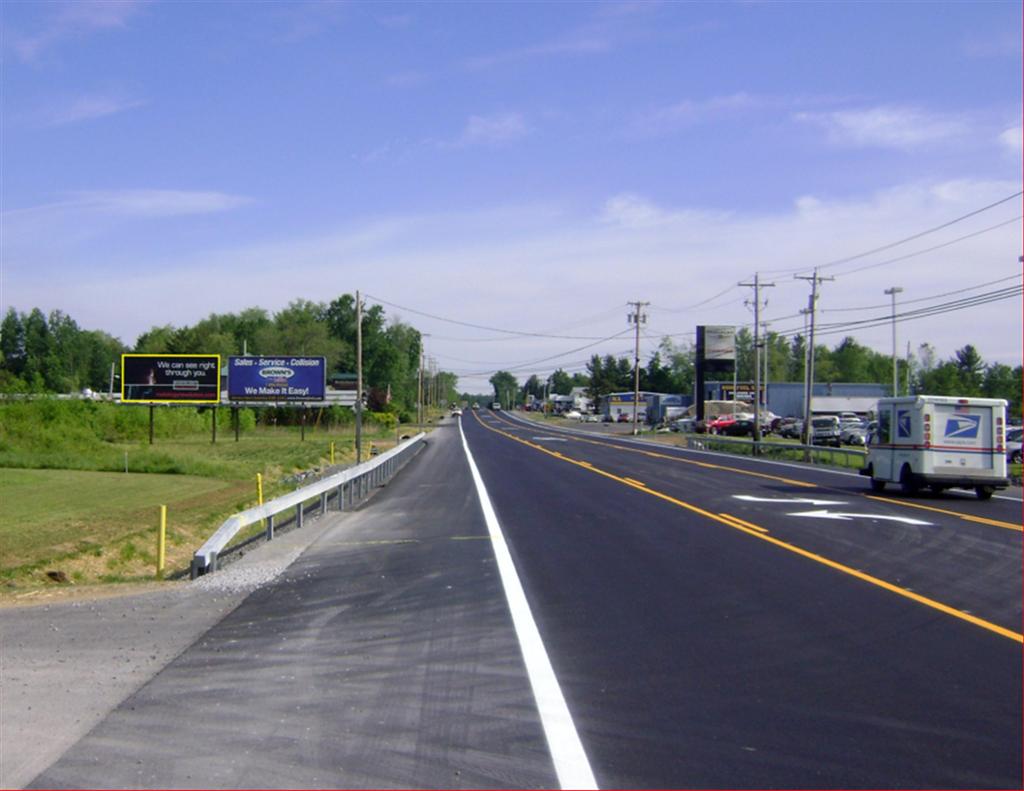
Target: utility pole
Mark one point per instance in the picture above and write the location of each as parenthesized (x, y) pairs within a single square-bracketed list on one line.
[(637, 317), (892, 292), (359, 379), (815, 279), (757, 286), (767, 350), (419, 390)]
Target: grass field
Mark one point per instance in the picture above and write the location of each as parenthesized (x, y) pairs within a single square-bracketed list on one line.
[(97, 525)]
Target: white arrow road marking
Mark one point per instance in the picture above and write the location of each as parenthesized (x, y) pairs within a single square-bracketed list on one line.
[(751, 499), (824, 514)]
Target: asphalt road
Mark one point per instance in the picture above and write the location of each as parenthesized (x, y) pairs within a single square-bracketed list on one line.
[(384, 657), (701, 638), (780, 651)]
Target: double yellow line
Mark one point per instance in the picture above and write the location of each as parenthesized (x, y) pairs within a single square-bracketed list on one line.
[(791, 481), (761, 533)]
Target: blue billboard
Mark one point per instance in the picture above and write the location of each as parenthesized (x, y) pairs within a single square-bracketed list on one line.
[(257, 378)]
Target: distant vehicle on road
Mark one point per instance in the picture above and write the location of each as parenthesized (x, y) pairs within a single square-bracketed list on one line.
[(942, 442), (496, 405), (456, 412)]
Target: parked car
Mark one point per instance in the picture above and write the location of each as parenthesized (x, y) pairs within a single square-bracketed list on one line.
[(1013, 445), (720, 424), (854, 433), (573, 414), (790, 428), (825, 431)]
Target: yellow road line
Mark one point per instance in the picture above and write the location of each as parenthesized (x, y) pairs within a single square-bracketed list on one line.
[(629, 480), (753, 530), (966, 517), (744, 523), (656, 455)]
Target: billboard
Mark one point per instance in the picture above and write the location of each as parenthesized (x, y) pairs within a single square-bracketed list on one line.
[(276, 378), (170, 378), (719, 343)]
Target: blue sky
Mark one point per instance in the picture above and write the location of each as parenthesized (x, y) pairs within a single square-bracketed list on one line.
[(528, 166)]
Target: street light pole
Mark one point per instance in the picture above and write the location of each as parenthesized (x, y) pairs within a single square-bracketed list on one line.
[(895, 378)]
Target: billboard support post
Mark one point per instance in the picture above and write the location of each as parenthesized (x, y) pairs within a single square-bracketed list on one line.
[(237, 419), (213, 439), (151, 424), (303, 424)]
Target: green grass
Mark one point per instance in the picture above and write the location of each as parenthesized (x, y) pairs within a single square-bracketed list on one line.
[(50, 513), (69, 506)]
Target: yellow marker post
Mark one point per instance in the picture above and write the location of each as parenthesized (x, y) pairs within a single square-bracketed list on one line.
[(259, 487), (161, 544), (332, 452)]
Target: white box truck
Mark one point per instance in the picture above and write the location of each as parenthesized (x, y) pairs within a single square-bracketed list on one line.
[(941, 442)]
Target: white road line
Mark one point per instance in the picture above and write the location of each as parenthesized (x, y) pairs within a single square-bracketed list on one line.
[(564, 743)]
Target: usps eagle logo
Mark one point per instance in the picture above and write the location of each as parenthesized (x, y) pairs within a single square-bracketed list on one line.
[(963, 426)]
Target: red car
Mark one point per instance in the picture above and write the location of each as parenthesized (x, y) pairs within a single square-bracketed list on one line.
[(720, 423)]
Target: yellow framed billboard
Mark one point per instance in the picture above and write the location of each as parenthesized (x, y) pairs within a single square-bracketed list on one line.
[(170, 378)]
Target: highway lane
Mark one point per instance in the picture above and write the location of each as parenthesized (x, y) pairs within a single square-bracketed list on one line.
[(960, 551), (696, 650), (385, 657)]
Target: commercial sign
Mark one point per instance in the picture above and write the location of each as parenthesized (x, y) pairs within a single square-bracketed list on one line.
[(276, 378), (170, 378), (719, 343)]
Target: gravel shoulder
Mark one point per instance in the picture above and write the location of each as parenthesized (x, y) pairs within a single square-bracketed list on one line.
[(66, 664)]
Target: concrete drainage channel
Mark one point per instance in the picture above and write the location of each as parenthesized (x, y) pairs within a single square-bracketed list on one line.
[(345, 489)]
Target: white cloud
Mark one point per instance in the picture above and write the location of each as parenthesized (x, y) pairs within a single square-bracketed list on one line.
[(493, 130), (87, 108), (690, 112), (85, 215), (156, 203), (74, 19), (886, 126), (1005, 44), (1013, 139), (556, 267)]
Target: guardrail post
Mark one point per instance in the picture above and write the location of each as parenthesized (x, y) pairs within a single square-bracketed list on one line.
[(323, 503), (270, 528), (298, 515), (213, 562)]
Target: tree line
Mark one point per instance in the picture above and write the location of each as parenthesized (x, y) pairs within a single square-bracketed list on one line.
[(41, 354), (671, 368)]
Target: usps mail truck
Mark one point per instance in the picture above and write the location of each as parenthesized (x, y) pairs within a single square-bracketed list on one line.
[(939, 442)]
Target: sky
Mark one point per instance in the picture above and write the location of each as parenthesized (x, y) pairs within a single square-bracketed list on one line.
[(488, 169)]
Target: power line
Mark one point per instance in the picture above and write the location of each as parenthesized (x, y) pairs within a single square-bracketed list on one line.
[(519, 333), (897, 243), (532, 363), (925, 299), (919, 313), (933, 249)]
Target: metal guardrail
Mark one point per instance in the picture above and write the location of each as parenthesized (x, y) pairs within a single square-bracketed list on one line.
[(347, 487), (814, 453)]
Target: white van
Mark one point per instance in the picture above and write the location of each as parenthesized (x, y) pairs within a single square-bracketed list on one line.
[(941, 442)]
